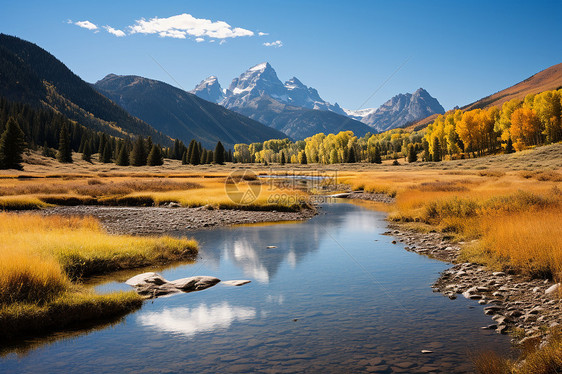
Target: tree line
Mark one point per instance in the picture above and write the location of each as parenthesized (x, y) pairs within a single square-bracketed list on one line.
[(517, 125), (24, 127), (343, 147)]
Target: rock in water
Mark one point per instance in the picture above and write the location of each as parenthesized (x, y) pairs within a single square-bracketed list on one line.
[(236, 282), (195, 283), (146, 278), (154, 285)]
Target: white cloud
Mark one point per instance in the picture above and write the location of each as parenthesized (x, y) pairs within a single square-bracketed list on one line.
[(263, 33), (181, 25), (172, 34), (276, 44), (86, 25), (116, 32), (199, 40)]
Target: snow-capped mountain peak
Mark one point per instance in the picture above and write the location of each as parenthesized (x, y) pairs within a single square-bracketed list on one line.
[(294, 83), (360, 113), (209, 89)]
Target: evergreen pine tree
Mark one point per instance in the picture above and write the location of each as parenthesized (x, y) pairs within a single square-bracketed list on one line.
[(148, 146), (195, 158), (123, 158), (87, 152), (200, 149), (138, 154), (83, 141), (184, 158), (219, 154), (351, 156), (377, 158), (282, 158), (155, 156), (176, 151), (229, 158), (101, 145), (107, 153), (64, 154), (190, 150), (303, 159), (204, 157), (12, 145), (436, 150), (509, 146), (47, 151), (426, 155), (412, 155)]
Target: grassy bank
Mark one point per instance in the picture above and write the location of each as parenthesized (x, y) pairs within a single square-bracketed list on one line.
[(510, 219), (43, 258), (140, 190), (534, 359)]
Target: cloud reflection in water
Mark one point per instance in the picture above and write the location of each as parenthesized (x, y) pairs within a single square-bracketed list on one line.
[(190, 321)]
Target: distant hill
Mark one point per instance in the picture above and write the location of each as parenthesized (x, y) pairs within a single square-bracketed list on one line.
[(291, 107), (181, 114), (31, 75), (548, 79)]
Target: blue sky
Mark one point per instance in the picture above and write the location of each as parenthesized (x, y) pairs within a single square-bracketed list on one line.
[(458, 51)]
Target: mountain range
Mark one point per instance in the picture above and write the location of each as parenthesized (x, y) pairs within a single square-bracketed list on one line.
[(258, 93), (182, 115), (291, 107)]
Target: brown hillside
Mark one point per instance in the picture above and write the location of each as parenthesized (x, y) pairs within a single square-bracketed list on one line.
[(548, 79)]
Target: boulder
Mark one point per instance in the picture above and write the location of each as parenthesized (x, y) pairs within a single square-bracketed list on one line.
[(154, 285), (195, 283), (146, 278)]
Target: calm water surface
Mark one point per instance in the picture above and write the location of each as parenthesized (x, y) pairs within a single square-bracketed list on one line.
[(334, 296)]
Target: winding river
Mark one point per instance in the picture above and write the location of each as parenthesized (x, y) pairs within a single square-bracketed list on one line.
[(334, 295)]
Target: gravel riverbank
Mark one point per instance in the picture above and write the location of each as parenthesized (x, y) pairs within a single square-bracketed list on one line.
[(526, 308), (161, 220)]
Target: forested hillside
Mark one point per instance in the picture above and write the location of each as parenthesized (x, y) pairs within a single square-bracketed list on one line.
[(31, 75)]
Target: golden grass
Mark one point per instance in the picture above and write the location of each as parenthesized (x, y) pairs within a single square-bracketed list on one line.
[(515, 216), (214, 194), (40, 257), (529, 242), (535, 359), (69, 309), (117, 190)]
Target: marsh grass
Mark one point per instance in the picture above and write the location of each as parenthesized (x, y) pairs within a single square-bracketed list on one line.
[(69, 309), (41, 258), (21, 203), (188, 191)]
